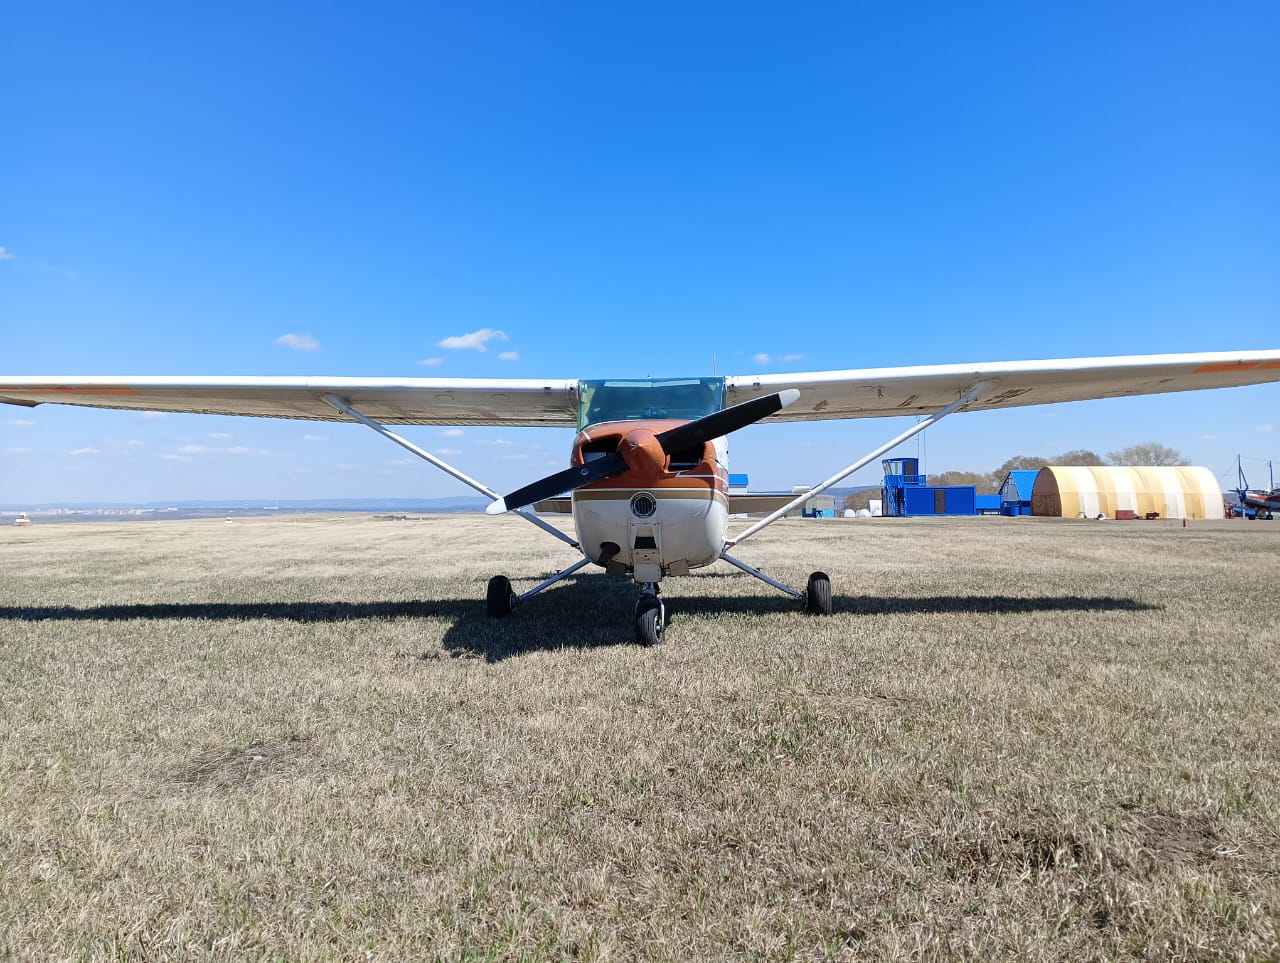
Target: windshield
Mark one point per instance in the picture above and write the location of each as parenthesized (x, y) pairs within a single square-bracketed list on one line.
[(614, 400)]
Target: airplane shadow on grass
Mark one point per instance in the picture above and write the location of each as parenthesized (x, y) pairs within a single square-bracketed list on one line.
[(588, 611)]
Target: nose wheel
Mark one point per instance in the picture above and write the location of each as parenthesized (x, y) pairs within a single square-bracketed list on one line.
[(651, 617)]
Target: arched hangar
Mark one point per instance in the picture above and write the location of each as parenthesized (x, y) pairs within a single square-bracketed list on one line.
[(1114, 491)]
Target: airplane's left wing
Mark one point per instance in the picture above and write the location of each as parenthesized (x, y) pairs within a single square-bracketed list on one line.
[(394, 401), (924, 389)]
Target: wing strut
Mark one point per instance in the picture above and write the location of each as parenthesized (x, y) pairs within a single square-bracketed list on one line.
[(981, 388), (342, 405)]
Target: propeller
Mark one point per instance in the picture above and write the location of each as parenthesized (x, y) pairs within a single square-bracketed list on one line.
[(640, 445)]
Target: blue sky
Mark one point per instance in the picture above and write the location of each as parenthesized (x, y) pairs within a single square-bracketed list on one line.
[(619, 192)]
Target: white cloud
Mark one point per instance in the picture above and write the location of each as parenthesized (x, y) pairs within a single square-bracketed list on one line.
[(496, 441), (5, 255), (85, 451), (447, 452), (509, 356), (431, 362), (1263, 428), (208, 450), (452, 433), (315, 437), (135, 443), (170, 457), (152, 414), (220, 435), (19, 423), (475, 340), (298, 342), (765, 358)]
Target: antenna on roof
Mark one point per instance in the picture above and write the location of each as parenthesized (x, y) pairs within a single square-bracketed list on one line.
[(714, 372)]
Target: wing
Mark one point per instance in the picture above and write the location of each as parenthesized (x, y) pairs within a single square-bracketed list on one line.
[(882, 392), (410, 401), (855, 393)]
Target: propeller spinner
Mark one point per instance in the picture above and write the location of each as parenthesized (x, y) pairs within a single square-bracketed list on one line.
[(643, 447)]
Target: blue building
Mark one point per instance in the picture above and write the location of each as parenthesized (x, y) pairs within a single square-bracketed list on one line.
[(1015, 492), (906, 492)]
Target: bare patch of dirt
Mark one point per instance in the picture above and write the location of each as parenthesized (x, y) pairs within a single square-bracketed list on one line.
[(1175, 838), (854, 701)]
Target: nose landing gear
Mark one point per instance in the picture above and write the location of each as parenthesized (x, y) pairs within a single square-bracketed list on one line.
[(651, 617)]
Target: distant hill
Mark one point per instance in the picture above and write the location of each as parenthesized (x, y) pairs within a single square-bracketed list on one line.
[(239, 507), (244, 507)]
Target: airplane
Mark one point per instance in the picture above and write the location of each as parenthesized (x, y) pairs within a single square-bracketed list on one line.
[(1264, 504), (647, 480), (1257, 502)]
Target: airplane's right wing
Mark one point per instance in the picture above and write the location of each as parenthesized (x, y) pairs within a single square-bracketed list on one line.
[(921, 390)]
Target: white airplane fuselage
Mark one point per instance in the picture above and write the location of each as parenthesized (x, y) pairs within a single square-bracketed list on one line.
[(665, 515)]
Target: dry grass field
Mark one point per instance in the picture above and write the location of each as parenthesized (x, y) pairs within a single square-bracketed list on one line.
[(301, 739)]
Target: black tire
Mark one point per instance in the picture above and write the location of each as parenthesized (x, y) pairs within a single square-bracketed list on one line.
[(650, 627), (817, 594), (500, 600)]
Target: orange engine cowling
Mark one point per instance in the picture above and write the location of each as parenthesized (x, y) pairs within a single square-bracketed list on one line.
[(647, 463)]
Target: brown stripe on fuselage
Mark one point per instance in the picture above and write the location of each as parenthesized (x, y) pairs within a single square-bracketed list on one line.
[(623, 493)]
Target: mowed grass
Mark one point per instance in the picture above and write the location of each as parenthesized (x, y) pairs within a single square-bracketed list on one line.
[(302, 739)]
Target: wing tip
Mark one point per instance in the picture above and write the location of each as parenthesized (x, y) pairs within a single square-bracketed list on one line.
[(496, 507)]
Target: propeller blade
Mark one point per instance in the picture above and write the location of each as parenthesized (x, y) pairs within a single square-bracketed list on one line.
[(677, 439), (559, 483), (723, 422)]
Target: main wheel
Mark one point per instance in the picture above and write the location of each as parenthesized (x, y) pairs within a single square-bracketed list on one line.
[(650, 626), (500, 600), (817, 594)]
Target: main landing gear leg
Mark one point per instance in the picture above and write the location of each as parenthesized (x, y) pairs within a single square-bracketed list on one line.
[(501, 599), (816, 594)]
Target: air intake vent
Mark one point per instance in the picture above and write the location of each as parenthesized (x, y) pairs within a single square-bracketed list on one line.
[(687, 459)]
